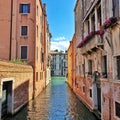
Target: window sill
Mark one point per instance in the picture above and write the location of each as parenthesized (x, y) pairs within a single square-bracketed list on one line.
[(116, 117), (24, 13), (24, 37), (24, 59)]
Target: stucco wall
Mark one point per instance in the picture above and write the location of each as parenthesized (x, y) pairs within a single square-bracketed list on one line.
[(110, 95), (22, 82)]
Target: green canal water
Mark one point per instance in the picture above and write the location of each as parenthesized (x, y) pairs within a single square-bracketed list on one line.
[(56, 102)]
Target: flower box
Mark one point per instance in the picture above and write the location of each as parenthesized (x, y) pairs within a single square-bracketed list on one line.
[(89, 36), (110, 21)]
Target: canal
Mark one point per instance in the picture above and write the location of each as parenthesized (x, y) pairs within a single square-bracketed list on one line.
[(56, 102)]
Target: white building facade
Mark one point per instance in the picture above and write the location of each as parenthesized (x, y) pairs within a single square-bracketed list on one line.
[(59, 63)]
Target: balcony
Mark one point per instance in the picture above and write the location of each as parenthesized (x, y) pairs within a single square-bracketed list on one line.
[(95, 43), (91, 42)]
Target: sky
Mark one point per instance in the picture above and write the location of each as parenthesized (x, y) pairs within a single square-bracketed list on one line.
[(60, 16)]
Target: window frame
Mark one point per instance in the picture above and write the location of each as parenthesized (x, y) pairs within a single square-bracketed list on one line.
[(21, 7), (21, 31), (21, 51), (104, 66)]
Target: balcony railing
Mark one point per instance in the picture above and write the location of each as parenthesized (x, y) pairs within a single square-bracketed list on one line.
[(92, 45)]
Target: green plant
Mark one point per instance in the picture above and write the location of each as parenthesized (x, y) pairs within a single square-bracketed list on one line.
[(18, 61)]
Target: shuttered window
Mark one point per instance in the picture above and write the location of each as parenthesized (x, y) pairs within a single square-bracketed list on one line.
[(24, 51), (24, 30), (24, 8)]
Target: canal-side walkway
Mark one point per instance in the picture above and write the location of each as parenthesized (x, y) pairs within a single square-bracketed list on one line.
[(56, 102)]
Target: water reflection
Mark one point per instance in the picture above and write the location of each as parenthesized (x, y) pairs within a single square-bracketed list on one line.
[(56, 102)]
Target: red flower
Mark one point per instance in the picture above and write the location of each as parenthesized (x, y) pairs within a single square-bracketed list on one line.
[(109, 22), (89, 36), (100, 32)]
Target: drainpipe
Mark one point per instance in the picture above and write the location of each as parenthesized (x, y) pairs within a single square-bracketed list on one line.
[(11, 30)]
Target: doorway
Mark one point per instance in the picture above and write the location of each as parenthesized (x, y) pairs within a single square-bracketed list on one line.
[(97, 91), (99, 98), (6, 102)]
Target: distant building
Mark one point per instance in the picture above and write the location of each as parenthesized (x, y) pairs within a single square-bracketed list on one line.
[(71, 62), (59, 63), (48, 56)]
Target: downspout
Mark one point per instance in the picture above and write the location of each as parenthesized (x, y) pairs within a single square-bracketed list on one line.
[(10, 50), (34, 63)]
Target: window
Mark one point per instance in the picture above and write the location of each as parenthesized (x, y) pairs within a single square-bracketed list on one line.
[(99, 16), (41, 38), (37, 30), (24, 51), (64, 64), (116, 8), (104, 66), (42, 59), (79, 69), (118, 67), (24, 31), (37, 10), (24, 8), (117, 109), (93, 23), (41, 75), (90, 93), (88, 26), (83, 69), (36, 76), (76, 84), (83, 89), (89, 67)]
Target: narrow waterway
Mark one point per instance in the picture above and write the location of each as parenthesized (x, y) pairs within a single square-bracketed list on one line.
[(56, 102)]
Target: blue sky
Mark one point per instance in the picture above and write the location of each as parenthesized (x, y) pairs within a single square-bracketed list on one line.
[(60, 16)]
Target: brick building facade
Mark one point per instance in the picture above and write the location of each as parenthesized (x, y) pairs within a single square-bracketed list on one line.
[(97, 71), (24, 33)]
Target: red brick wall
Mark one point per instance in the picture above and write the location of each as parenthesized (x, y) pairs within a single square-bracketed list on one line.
[(78, 89), (22, 84)]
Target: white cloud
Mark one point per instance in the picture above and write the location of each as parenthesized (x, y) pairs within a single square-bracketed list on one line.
[(60, 45), (59, 38)]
